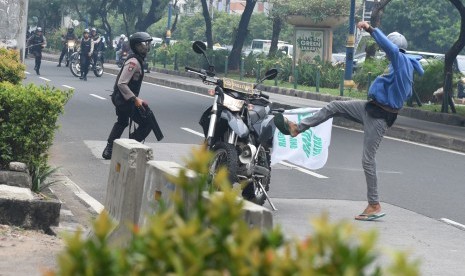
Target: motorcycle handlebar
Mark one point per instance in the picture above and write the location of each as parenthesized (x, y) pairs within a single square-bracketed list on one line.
[(264, 96), (194, 70)]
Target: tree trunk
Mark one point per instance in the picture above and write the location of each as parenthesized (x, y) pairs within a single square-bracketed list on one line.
[(155, 13), (375, 21), (208, 24), (277, 25), (236, 52), (450, 56), (175, 21)]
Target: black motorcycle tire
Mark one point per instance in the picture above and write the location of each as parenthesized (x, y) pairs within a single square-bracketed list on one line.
[(224, 155), (74, 65), (253, 192), (98, 70)]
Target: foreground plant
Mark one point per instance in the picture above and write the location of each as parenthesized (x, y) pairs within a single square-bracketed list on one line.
[(213, 239)]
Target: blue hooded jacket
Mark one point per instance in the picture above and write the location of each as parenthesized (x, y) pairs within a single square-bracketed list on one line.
[(394, 88)]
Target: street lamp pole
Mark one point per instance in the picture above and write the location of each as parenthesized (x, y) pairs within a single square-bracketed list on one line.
[(168, 27), (348, 82)]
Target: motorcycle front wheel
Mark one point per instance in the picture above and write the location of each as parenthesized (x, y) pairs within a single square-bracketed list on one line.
[(98, 70), (74, 65), (225, 155)]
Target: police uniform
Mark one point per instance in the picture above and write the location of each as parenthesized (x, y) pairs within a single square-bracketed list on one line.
[(126, 89), (37, 43), (87, 47)]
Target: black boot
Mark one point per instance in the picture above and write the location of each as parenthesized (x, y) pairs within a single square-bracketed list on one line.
[(59, 64), (85, 77), (82, 76), (107, 151), (115, 133)]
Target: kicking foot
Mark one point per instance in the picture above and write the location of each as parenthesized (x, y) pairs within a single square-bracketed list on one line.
[(372, 212), (285, 126)]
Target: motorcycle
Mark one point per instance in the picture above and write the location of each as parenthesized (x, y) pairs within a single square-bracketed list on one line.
[(75, 64), (122, 59), (238, 129), (70, 44)]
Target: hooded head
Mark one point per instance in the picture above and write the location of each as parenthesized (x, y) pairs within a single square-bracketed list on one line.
[(399, 40)]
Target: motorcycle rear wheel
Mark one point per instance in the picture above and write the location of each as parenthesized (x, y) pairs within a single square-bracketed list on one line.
[(225, 155)]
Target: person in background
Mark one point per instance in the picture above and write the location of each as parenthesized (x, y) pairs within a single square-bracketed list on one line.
[(119, 47), (36, 43), (387, 95), (70, 35), (99, 46), (87, 47)]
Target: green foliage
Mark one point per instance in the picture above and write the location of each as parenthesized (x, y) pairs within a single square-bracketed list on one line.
[(374, 66), (211, 238), (317, 10), (432, 79), (11, 68), (428, 25), (39, 175), (28, 116)]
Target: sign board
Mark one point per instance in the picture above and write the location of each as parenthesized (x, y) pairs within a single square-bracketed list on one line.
[(310, 44)]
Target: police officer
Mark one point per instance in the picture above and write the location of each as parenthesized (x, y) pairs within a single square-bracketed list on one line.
[(87, 47), (99, 45), (36, 43), (126, 93), (70, 35)]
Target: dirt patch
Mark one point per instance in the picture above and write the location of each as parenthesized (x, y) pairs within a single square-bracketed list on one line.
[(27, 252)]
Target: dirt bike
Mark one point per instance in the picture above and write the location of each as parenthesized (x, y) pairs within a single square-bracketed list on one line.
[(238, 128), (70, 44), (75, 65)]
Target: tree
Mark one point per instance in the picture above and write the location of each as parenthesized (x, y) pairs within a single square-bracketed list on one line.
[(136, 16), (375, 21), (241, 34), (208, 23), (450, 57)]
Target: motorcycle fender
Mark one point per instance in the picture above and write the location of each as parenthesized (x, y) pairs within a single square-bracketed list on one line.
[(235, 123)]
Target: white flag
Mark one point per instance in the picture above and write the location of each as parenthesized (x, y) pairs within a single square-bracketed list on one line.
[(309, 149)]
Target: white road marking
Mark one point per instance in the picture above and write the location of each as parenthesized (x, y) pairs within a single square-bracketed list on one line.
[(453, 223), (97, 96), (45, 79), (67, 86), (192, 131), (27, 73), (292, 166), (283, 163)]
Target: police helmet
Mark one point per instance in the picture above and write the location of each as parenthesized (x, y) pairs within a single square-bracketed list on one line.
[(39, 29), (86, 30), (399, 40), (138, 37), (70, 29), (122, 36)]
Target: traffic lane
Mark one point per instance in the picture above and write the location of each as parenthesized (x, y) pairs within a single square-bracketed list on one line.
[(421, 179), (347, 179)]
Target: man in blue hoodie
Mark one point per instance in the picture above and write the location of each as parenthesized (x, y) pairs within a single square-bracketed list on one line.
[(387, 95)]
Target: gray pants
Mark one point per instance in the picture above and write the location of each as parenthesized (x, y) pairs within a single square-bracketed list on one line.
[(374, 130)]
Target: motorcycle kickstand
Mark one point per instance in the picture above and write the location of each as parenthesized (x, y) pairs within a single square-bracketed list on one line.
[(267, 197)]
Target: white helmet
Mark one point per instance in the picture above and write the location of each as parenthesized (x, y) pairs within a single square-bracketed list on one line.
[(399, 40), (122, 36)]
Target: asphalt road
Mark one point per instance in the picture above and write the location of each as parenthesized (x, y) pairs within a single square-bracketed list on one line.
[(425, 180)]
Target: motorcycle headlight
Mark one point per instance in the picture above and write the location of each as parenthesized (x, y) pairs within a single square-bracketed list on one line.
[(71, 43)]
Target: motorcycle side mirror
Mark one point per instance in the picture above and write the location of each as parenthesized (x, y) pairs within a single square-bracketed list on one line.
[(271, 74), (199, 47)]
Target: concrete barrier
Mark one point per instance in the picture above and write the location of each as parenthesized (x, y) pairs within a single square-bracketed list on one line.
[(126, 185), (137, 185), (158, 188)]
